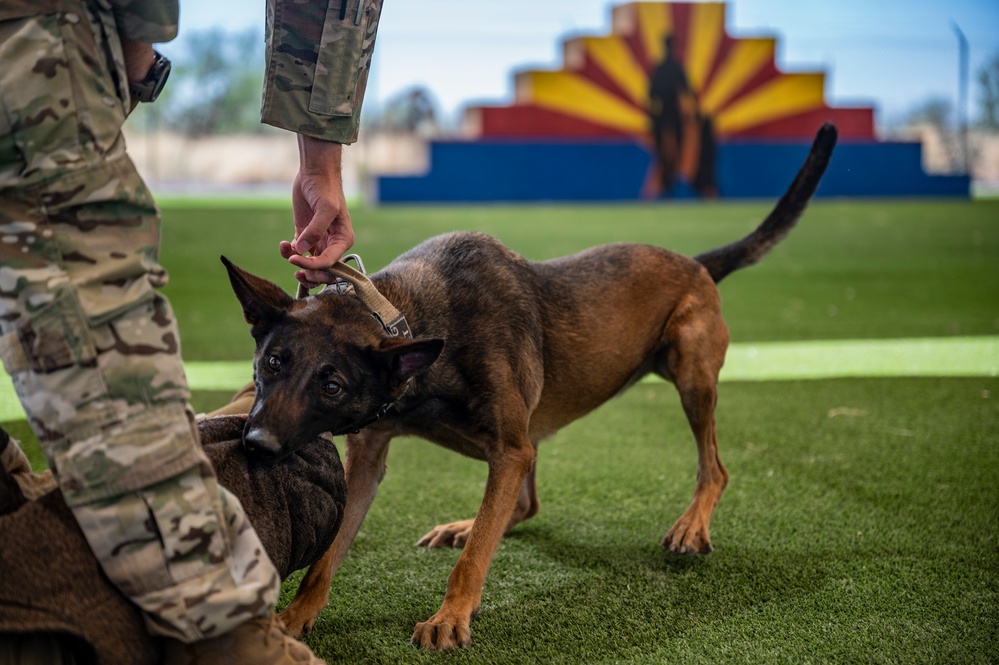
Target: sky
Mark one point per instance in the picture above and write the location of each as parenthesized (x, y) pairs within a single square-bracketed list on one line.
[(892, 54)]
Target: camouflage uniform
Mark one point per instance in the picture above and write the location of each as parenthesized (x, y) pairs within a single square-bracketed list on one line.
[(317, 65), (91, 344)]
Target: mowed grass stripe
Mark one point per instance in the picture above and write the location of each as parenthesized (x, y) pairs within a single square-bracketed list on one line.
[(828, 359), (757, 361)]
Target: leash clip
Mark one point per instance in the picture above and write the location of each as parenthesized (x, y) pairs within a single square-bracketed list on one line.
[(356, 282), (356, 259), (342, 286)]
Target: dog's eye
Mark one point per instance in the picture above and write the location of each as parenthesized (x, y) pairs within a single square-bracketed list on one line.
[(274, 363), (331, 388)]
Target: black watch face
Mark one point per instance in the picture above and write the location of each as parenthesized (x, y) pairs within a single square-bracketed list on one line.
[(159, 74), (163, 72), (150, 88)]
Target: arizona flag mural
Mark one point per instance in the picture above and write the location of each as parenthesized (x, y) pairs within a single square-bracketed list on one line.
[(586, 130), (603, 87)]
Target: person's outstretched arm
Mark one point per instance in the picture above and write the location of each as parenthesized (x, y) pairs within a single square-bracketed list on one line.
[(318, 57)]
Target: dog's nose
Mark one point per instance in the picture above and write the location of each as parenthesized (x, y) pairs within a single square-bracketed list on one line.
[(262, 442)]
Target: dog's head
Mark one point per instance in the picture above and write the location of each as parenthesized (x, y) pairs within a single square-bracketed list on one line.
[(322, 364)]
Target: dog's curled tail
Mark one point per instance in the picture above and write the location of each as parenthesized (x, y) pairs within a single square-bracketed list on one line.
[(724, 260)]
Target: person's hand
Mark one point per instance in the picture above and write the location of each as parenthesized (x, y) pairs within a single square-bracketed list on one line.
[(139, 58), (322, 222)]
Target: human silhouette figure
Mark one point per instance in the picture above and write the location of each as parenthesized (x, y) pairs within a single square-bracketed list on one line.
[(667, 83), (683, 139)]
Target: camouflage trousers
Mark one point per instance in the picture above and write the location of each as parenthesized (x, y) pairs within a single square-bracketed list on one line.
[(91, 344)]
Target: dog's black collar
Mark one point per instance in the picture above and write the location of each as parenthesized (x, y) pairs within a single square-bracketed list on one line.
[(382, 410), (354, 429)]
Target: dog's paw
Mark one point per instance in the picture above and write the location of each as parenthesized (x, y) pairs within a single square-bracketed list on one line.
[(296, 621), (442, 632), (686, 537), (454, 534)]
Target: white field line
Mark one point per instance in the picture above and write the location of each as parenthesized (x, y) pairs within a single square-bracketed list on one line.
[(757, 361)]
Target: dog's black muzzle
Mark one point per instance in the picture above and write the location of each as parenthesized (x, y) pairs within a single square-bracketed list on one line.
[(262, 443)]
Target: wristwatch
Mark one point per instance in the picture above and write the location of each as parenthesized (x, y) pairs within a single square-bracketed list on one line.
[(150, 87)]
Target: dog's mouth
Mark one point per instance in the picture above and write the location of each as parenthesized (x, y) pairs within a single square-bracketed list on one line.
[(261, 443), (262, 437)]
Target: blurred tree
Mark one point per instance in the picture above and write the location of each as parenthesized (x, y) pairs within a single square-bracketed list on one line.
[(215, 86), (988, 83), (412, 110), (935, 111)]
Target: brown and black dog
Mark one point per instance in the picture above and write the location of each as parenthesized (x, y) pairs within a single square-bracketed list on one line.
[(505, 353)]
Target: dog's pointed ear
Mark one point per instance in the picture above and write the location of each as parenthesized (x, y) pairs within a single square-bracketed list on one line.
[(261, 300), (405, 358)]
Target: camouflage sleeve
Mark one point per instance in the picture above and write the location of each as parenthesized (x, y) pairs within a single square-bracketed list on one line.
[(149, 21), (318, 57)]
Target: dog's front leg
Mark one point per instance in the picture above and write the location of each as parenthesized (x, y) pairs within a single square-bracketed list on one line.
[(364, 467), (450, 626)]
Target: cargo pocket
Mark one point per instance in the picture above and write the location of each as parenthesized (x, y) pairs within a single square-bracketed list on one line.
[(188, 521), (344, 54), (39, 126), (146, 449), (151, 540), (52, 359), (58, 337)]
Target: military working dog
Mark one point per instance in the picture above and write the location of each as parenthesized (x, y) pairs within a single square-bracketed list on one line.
[(504, 352)]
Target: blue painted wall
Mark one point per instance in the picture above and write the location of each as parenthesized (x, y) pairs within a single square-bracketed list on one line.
[(505, 170)]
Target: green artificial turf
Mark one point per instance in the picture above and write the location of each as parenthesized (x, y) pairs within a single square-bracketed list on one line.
[(859, 525), (860, 522), (851, 270)]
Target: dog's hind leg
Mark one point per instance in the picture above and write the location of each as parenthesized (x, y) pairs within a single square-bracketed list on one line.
[(696, 343), (455, 534), (527, 502), (365, 457)]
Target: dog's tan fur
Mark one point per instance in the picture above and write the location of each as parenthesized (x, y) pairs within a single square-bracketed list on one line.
[(506, 352)]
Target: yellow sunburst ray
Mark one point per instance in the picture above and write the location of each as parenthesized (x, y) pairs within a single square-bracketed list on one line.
[(618, 61), (785, 95), (704, 35), (745, 58), (655, 21), (576, 96)]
